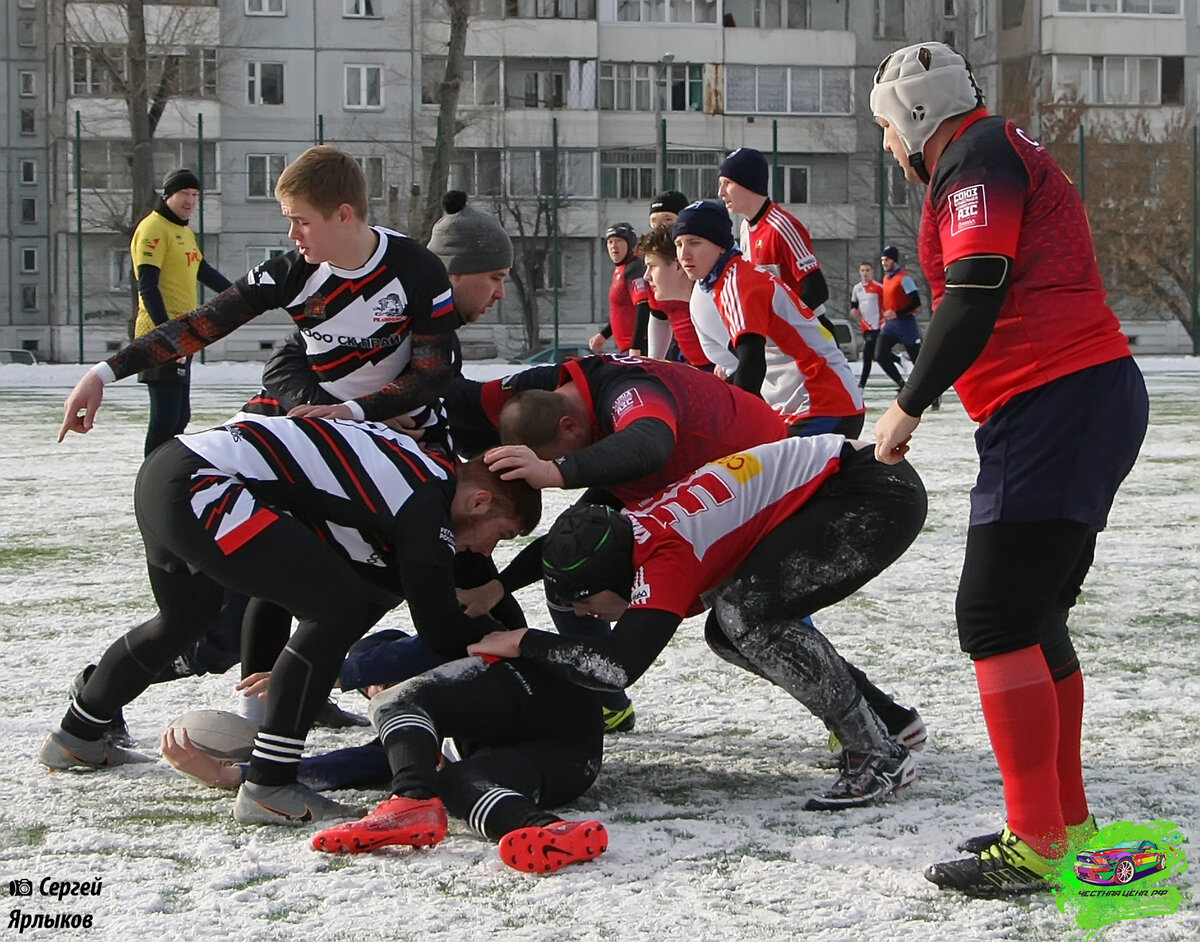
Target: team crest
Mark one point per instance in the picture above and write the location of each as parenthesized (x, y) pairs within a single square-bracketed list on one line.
[(314, 307), (389, 309)]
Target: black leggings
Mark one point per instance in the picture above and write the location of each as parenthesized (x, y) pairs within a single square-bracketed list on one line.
[(529, 741), (1019, 582), (285, 563), (855, 526)]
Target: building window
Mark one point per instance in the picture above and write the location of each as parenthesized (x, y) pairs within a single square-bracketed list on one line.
[(120, 270), (667, 11), (28, 122), (265, 8), (531, 173), (28, 172), (1110, 80), (480, 81), (949, 8), (26, 33), (26, 84), (361, 8), (537, 9), (765, 89), (632, 86), (257, 254), (264, 83), (950, 38), (186, 73), (792, 186), (29, 261), (889, 19), (364, 87), (767, 14), (1121, 7), (373, 171), (29, 298), (476, 172), (97, 70), (981, 17), (693, 172), (262, 170), (627, 174)]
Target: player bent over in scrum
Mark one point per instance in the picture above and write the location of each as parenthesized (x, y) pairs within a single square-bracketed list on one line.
[(766, 537), (223, 509), (528, 738)]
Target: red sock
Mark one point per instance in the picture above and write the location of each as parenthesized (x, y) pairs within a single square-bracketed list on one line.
[(1021, 711), (1074, 804)]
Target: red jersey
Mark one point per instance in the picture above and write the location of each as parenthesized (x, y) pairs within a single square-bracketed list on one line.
[(807, 373), (628, 289), (709, 417), (996, 191), (780, 243), (680, 318), (691, 537)]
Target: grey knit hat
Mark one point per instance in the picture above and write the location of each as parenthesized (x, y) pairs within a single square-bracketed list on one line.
[(468, 241)]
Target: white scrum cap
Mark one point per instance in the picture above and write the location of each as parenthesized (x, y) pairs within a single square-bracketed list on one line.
[(918, 87)]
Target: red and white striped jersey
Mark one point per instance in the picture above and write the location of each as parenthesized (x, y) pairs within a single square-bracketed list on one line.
[(807, 373), (780, 243), (689, 538), (352, 482), (865, 299)]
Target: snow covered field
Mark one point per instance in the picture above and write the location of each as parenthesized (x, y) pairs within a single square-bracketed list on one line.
[(702, 802)]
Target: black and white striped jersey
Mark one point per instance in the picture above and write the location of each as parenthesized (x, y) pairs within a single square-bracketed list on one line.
[(368, 490), (358, 325)]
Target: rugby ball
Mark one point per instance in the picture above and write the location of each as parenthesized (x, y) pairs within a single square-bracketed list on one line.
[(218, 733)]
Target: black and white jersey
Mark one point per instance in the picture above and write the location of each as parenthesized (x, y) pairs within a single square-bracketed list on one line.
[(367, 489), (358, 325)]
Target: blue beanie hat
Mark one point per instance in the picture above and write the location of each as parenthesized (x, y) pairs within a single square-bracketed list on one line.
[(747, 167), (891, 252), (707, 219)]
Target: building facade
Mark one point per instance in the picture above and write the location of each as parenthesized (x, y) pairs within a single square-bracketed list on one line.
[(586, 108)]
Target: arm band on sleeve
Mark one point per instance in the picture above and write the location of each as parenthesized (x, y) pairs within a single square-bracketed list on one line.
[(641, 448), (606, 331), (151, 296), (105, 372), (975, 291), (751, 370), (814, 289), (211, 278)]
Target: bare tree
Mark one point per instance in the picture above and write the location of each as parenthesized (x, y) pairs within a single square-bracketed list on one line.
[(448, 125), (531, 223)]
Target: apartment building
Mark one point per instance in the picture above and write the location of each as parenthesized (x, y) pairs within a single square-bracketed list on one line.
[(624, 97)]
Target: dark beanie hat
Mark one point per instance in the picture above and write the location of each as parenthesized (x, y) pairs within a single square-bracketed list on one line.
[(468, 241), (588, 549), (672, 201), (746, 167), (181, 179), (891, 252), (707, 219)]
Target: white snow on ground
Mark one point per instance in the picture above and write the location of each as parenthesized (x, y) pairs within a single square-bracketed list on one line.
[(703, 801)]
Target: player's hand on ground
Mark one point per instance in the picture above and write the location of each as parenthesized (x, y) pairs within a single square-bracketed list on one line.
[(254, 685), (893, 432), (519, 463), (79, 411), (482, 599), (499, 643), (337, 411), (183, 756)]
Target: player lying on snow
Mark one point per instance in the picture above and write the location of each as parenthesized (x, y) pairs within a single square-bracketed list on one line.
[(336, 522)]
